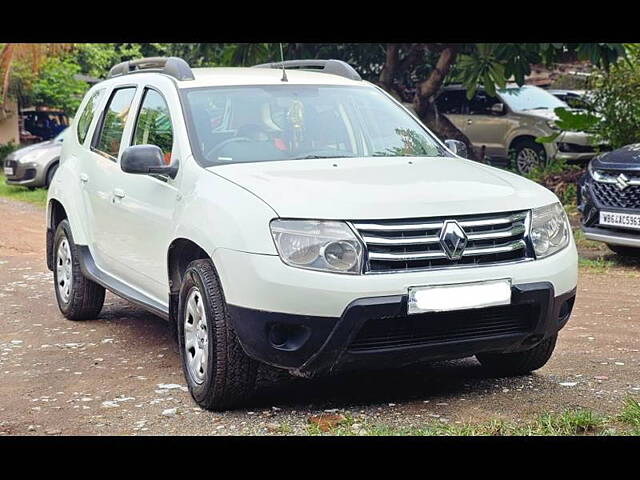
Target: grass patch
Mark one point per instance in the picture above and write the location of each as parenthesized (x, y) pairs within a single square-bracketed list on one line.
[(581, 422), (23, 194), (595, 265), (631, 413)]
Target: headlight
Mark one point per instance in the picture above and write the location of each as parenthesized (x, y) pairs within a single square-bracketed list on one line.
[(318, 245), (550, 230)]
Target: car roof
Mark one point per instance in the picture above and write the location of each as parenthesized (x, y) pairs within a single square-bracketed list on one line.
[(230, 76)]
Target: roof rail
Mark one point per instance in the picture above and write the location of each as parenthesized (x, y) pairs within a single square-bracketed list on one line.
[(173, 66), (335, 67)]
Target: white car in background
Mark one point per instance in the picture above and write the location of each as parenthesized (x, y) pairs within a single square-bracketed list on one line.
[(302, 221)]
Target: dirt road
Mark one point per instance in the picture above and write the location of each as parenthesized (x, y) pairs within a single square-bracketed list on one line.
[(120, 374)]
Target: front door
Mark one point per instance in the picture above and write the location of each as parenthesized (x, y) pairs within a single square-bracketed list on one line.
[(147, 203), (487, 129)]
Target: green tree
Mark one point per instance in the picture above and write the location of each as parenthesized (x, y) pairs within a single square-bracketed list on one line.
[(57, 87)]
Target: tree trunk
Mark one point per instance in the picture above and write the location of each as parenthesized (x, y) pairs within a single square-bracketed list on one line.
[(424, 101)]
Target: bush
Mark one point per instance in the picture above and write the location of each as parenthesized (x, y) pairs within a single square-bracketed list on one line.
[(6, 149)]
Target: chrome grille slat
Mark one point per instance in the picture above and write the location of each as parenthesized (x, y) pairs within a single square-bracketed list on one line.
[(409, 244)]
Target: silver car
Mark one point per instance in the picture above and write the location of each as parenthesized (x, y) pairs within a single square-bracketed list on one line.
[(35, 165), (506, 126)]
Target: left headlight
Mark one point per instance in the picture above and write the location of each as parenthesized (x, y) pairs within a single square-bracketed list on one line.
[(327, 246), (550, 230)]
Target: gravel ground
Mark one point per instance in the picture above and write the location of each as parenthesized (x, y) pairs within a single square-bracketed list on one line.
[(120, 374)]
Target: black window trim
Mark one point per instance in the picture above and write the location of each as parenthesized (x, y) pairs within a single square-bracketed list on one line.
[(98, 92), (145, 89), (97, 132)]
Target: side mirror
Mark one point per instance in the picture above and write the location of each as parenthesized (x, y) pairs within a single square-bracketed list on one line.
[(497, 108), (145, 160), (457, 147)]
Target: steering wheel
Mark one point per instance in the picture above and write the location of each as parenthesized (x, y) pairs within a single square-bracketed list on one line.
[(226, 142)]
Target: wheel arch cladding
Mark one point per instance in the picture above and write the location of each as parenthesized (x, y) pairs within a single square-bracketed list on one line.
[(181, 253), (56, 213)]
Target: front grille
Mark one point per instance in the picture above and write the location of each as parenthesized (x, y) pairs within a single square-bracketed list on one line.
[(10, 163), (443, 327), (610, 195), (410, 244)]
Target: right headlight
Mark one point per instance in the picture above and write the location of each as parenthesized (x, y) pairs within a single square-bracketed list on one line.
[(327, 246), (550, 230)]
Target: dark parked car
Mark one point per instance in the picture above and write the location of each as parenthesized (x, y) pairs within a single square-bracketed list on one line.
[(609, 200)]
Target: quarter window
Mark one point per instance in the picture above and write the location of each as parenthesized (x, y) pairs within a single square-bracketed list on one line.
[(84, 121), (153, 126), (115, 118)]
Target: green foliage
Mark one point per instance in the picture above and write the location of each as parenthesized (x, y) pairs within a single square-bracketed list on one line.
[(56, 86), (37, 196), (631, 412), (95, 59), (614, 111), (482, 66), (6, 149)]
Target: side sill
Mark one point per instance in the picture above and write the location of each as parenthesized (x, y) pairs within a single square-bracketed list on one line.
[(91, 271)]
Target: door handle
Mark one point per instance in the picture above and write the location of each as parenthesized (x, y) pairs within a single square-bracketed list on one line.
[(84, 178), (119, 193)]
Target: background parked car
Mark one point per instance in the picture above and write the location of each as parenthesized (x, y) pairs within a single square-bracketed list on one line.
[(609, 200), (35, 165), (509, 123), (41, 125), (573, 98)]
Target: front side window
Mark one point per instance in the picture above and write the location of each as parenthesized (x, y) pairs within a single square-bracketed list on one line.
[(153, 126), (298, 122), (84, 121), (115, 118), (481, 103), (452, 102)]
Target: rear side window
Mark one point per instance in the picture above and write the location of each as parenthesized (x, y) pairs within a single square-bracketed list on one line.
[(115, 118), (153, 126), (87, 116)]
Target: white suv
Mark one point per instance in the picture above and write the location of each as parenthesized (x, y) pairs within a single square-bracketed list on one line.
[(299, 220)]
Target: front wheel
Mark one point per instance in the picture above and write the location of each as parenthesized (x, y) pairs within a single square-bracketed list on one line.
[(625, 251), (218, 372), (519, 363), (529, 155)]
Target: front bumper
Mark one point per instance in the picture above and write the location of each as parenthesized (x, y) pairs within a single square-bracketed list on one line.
[(23, 175), (590, 207), (377, 332)]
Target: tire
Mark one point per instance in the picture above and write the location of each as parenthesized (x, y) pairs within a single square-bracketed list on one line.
[(625, 251), (519, 363), (528, 155), (85, 298), (50, 173), (227, 377)]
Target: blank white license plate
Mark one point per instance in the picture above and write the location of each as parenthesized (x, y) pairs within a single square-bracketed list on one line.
[(8, 170), (624, 220), (461, 296)]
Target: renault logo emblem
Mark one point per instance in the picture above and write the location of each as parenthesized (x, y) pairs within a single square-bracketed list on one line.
[(622, 181), (453, 239)]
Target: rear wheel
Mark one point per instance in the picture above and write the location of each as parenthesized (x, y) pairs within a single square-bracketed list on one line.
[(625, 251), (528, 155), (519, 363), (78, 297), (218, 372)]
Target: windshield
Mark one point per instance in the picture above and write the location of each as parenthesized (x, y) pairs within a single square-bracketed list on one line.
[(530, 98), (297, 122)]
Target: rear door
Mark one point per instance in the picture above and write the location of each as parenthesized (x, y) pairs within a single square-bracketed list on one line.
[(486, 128), (454, 105), (99, 177)]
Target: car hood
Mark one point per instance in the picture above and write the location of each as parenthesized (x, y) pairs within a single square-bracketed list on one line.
[(33, 149), (377, 188), (624, 158)]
